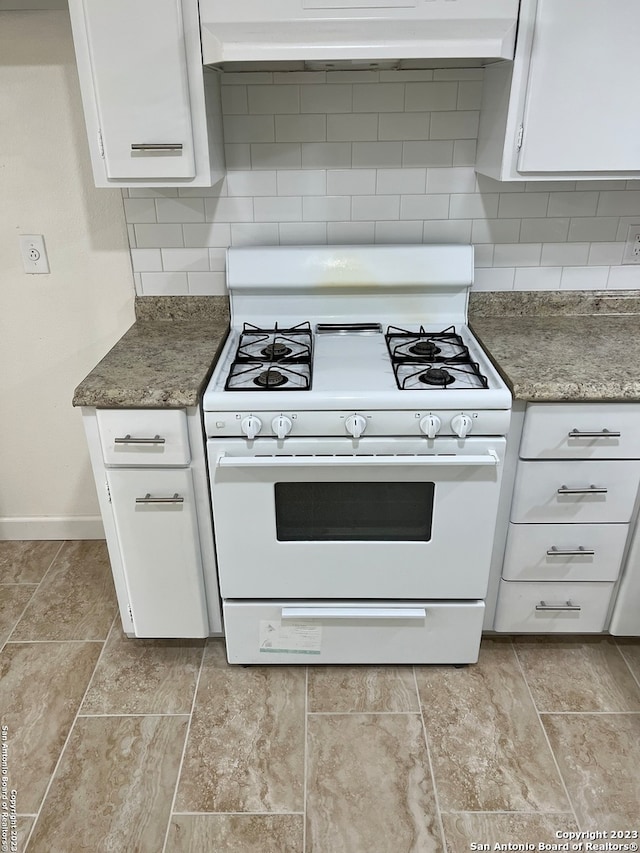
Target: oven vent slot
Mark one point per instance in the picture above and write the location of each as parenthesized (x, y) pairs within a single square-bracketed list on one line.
[(349, 329)]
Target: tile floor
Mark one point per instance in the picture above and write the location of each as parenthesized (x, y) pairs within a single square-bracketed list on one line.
[(151, 746)]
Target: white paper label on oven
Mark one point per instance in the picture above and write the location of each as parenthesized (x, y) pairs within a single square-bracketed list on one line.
[(290, 638)]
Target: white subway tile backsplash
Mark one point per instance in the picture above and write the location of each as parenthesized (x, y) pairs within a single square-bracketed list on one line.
[(326, 208), (244, 78), (378, 98), (231, 209), (164, 283), (606, 254), (237, 155), (599, 186), (494, 279), (469, 95), (459, 179), (146, 260), (398, 232), (377, 154), (304, 77), (280, 155), (249, 129), (216, 235), (326, 99), (352, 127), (350, 232), (366, 207), (544, 230), (537, 278), (326, 155), (301, 128), (431, 153), (154, 236), (624, 278), (278, 209), (251, 183), (447, 231), (180, 209), (458, 74), (303, 233), (564, 254), (351, 181), (357, 75), (495, 231), (426, 97), (405, 76), (175, 260), (400, 181), (131, 231), (462, 124), (403, 126), (573, 204), (483, 255), (424, 207), (268, 100), (206, 283), (588, 228), (254, 234), (464, 152), (473, 206), (624, 203), (516, 254), (302, 182), (584, 278), (139, 210), (234, 100), (217, 260), (623, 226), (549, 186), (524, 205)]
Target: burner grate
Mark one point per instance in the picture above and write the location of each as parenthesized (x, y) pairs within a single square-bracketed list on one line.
[(272, 359)]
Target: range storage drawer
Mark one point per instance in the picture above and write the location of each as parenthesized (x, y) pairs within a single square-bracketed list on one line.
[(575, 492), (543, 608), (374, 632), (581, 431), (564, 552), (135, 437)]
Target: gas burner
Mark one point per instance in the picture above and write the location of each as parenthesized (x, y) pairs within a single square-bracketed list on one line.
[(276, 350), (436, 376), (270, 379), (425, 349)]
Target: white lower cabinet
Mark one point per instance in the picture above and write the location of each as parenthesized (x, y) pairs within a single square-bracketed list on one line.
[(150, 472), (575, 491)]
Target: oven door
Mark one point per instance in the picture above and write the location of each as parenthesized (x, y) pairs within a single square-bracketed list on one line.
[(336, 518)]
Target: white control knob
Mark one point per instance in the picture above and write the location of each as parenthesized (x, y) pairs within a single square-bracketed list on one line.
[(461, 425), (251, 426), (355, 425), (430, 425), (281, 426)]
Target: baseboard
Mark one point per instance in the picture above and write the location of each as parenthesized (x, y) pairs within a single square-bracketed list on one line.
[(48, 527)]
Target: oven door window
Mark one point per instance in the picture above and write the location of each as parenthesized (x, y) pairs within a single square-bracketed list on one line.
[(362, 512)]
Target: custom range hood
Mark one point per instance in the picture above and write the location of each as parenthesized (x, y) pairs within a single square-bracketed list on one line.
[(348, 33)]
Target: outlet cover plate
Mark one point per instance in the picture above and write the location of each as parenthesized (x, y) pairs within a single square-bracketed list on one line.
[(34, 254), (632, 246)]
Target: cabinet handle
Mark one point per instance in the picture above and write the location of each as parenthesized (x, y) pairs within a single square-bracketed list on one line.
[(580, 551), (566, 606), (589, 490), (128, 439), (147, 499), (156, 146), (596, 433)]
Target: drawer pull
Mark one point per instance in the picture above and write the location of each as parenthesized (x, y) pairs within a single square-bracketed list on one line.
[(147, 499), (128, 439), (580, 551), (566, 606), (354, 613), (589, 490), (156, 146), (596, 433)]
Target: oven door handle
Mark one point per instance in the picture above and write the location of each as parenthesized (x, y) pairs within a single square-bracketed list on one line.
[(488, 458), (354, 613)]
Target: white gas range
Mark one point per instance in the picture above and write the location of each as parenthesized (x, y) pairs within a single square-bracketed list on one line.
[(355, 438)]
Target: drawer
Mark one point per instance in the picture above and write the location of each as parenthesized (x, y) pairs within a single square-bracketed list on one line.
[(551, 552), (353, 632), (135, 437), (581, 431), (536, 498), (519, 607)]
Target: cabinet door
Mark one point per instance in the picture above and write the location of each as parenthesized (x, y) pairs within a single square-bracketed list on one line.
[(585, 64), (158, 536), (139, 69)]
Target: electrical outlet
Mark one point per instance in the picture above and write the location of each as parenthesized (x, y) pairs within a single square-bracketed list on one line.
[(632, 246), (34, 254)]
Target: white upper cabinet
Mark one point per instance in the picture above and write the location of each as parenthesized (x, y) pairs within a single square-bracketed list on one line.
[(561, 109), (145, 93)]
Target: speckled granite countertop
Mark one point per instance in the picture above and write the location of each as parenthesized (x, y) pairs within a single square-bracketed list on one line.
[(164, 360), (562, 346)]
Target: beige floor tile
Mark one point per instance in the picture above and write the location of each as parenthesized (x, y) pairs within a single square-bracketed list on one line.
[(114, 786), (488, 747), (41, 687), (464, 829), (599, 756), (144, 676), (630, 649), (76, 600), (235, 834), (369, 785), (24, 824), (13, 600), (26, 562), (362, 688), (577, 675), (246, 743)]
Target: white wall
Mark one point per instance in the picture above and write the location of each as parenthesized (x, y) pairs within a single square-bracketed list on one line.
[(370, 156), (53, 328)]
